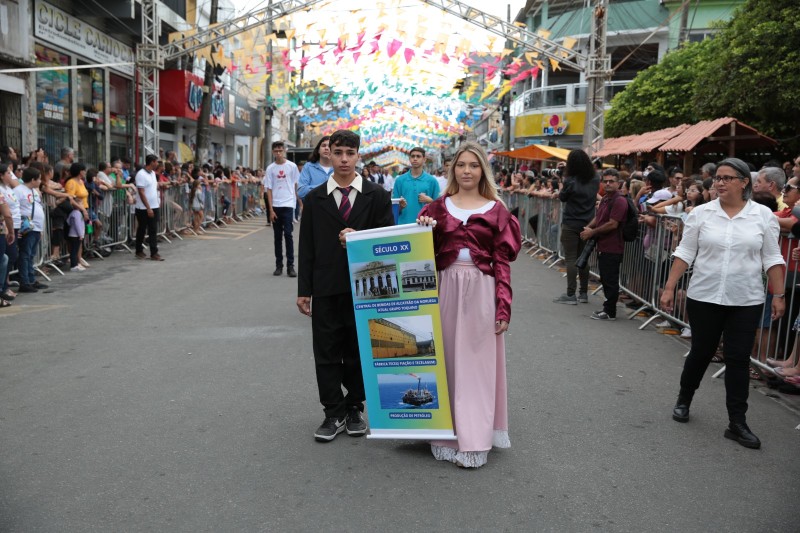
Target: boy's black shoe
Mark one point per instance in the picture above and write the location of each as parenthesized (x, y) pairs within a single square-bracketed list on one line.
[(290, 272), (330, 427), (356, 427), (278, 271), (27, 288), (38, 285)]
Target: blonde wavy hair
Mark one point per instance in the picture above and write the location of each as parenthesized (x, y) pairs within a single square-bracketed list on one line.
[(486, 187)]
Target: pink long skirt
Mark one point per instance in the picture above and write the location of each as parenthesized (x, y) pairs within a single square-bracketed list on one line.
[(476, 366)]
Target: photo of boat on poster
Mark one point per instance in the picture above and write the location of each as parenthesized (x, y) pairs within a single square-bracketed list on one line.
[(408, 391)]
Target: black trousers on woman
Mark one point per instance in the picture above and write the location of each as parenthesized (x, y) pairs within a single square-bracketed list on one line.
[(737, 327)]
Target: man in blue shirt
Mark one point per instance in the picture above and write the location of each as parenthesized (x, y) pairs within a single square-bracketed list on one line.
[(415, 188)]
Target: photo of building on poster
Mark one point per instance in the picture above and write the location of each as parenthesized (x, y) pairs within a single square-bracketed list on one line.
[(374, 280), (408, 391), (408, 336), (418, 276)]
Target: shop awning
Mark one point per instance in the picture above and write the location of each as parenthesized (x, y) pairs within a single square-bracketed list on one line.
[(725, 130), (537, 151), (644, 143), (686, 138)]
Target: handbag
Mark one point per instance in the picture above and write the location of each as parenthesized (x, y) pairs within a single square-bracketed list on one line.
[(27, 223)]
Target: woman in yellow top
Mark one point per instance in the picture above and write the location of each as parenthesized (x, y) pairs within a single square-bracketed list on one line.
[(76, 188)]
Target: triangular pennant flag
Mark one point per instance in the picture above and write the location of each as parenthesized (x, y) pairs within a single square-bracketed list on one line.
[(393, 47), (409, 54)]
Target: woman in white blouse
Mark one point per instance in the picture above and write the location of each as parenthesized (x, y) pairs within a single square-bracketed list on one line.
[(729, 241)]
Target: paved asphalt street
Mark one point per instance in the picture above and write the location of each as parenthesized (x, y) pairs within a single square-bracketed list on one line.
[(180, 396)]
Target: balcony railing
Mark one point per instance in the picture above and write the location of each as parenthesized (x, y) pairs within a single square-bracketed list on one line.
[(572, 95)]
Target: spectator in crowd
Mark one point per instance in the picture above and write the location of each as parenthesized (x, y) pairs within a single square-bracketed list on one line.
[(386, 180), (7, 154), (76, 188), (771, 180), (68, 156), (474, 275), (726, 294), (7, 237), (59, 205), (7, 185), (675, 176), (606, 229), (318, 168), (688, 195), (346, 203), (147, 208), (197, 200), (30, 207), (578, 195), (441, 179), (75, 236), (415, 188)]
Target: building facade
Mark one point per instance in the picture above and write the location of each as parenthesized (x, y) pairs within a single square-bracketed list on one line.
[(550, 109)]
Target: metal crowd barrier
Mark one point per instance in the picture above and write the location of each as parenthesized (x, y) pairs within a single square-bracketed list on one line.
[(645, 268)]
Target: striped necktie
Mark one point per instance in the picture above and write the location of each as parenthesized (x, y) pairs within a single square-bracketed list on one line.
[(344, 205)]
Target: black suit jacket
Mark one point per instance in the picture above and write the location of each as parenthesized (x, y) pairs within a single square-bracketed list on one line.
[(322, 266)]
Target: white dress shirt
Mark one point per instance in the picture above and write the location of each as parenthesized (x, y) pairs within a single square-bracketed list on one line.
[(332, 187), (729, 254)]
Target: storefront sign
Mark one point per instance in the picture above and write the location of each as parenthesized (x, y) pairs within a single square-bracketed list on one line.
[(55, 26), (242, 119), (393, 281)]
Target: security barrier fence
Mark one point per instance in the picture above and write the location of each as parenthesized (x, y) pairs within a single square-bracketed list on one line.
[(114, 224), (645, 268)]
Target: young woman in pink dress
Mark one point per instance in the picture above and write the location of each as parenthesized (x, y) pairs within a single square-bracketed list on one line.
[(475, 238)]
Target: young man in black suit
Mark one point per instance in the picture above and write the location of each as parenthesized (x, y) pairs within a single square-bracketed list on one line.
[(345, 203)]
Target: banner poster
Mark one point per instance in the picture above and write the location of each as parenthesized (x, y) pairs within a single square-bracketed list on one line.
[(396, 300)]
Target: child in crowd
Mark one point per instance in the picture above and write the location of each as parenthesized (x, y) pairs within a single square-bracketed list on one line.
[(75, 235)]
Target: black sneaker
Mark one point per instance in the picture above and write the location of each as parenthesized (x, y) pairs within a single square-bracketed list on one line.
[(27, 288), (356, 427), (278, 271), (330, 427), (39, 285), (290, 272)]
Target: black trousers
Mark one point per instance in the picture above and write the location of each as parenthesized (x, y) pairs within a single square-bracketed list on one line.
[(609, 277), (282, 228), (149, 225), (336, 355), (737, 327)]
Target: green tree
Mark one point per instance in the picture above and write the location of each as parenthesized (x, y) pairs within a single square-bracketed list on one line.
[(660, 96), (755, 69)]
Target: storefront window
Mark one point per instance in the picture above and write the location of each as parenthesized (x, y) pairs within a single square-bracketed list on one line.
[(52, 86), (90, 98), (52, 102), (119, 108)]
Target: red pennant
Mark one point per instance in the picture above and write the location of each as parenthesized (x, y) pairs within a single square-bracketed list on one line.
[(409, 54)]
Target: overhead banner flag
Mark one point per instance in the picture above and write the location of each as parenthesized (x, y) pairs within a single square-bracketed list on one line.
[(396, 301)]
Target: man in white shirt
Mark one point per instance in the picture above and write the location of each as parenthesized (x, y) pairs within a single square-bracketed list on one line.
[(30, 207), (386, 180), (147, 208), (281, 187), (443, 178)]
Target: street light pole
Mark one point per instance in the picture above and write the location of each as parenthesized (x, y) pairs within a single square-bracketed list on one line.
[(203, 127), (267, 148)]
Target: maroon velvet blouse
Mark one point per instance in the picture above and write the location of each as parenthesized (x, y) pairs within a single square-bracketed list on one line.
[(493, 239)]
